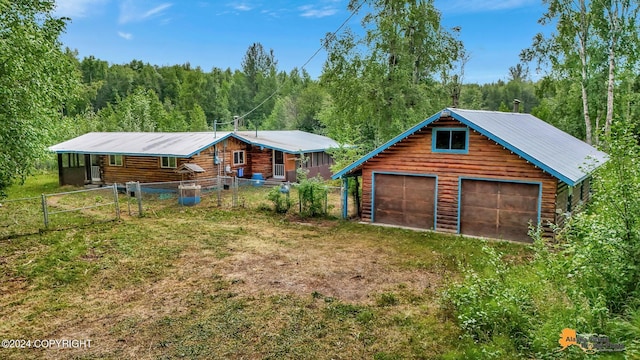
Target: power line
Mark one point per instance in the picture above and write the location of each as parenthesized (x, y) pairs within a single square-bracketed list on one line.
[(329, 38)]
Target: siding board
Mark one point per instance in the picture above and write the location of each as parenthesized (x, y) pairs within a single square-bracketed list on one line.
[(485, 159)]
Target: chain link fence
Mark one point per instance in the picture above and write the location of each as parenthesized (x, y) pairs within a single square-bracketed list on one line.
[(58, 211), (223, 191), (75, 208)]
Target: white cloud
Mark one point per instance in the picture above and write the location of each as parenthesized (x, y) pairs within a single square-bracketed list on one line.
[(313, 12), (124, 35), (241, 6), (156, 10), (468, 6), (76, 8), (130, 11)]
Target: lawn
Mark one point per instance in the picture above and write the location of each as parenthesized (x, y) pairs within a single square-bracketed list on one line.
[(210, 282)]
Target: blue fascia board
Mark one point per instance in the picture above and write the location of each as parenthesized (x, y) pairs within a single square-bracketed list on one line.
[(511, 148), (184, 156), (255, 143), (386, 145), (469, 124)]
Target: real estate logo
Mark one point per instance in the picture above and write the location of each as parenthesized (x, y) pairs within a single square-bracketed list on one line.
[(589, 343)]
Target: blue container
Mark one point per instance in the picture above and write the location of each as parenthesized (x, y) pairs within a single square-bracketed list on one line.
[(189, 201), (257, 179), (240, 172), (189, 195)]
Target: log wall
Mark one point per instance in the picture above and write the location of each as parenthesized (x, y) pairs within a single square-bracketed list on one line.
[(485, 159)]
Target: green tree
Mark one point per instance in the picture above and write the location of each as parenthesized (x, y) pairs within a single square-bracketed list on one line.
[(393, 76), (197, 119), (593, 42), (35, 79)]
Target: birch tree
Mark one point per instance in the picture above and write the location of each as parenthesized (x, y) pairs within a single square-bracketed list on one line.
[(35, 79), (591, 42)]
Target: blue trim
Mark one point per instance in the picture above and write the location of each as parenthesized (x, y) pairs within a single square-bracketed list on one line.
[(461, 178), (373, 192), (217, 140), (469, 124), (434, 133), (511, 148), (386, 145)]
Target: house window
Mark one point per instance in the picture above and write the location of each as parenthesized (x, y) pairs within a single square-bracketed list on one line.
[(450, 140), (168, 162), (72, 160), (238, 157), (115, 160)]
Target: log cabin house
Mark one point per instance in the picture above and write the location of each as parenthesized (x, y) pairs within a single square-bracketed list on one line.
[(119, 157), (479, 173)]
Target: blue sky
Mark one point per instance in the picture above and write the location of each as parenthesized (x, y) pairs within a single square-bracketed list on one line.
[(217, 33)]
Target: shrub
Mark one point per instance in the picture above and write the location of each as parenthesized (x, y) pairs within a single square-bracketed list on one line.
[(313, 194), (281, 200)]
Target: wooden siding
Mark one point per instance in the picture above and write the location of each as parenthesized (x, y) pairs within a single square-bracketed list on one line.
[(261, 162), (580, 194), (485, 159)]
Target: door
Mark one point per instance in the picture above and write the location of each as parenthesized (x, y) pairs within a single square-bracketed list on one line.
[(500, 210), (278, 165), (404, 200), (95, 168)]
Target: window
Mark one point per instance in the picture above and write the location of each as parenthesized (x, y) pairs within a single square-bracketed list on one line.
[(72, 160), (115, 160), (238, 157), (450, 140), (168, 162)]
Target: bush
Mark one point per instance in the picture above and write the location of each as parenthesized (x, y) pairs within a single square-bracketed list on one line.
[(281, 200), (313, 195)]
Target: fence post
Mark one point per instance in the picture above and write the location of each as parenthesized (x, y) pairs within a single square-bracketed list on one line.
[(45, 213), (115, 200), (219, 188), (139, 198)]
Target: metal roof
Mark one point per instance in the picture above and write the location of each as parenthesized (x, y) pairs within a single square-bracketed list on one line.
[(291, 141), (187, 144), (551, 149)]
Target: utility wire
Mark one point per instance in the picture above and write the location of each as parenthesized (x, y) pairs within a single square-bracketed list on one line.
[(329, 38)]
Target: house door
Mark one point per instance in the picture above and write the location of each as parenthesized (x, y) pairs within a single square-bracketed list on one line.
[(95, 168), (278, 165)]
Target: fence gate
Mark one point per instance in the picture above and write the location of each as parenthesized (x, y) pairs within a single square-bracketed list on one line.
[(134, 198)]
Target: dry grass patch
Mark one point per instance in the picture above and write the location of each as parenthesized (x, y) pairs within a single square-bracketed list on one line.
[(208, 283)]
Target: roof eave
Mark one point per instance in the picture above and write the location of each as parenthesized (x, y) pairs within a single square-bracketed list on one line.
[(385, 146), (515, 150)]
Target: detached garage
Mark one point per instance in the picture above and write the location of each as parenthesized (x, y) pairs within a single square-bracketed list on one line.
[(479, 173)]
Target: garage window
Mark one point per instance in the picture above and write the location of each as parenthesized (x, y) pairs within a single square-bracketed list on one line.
[(450, 140)]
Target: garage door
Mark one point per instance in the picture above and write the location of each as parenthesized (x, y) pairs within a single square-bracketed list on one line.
[(404, 200), (500, 210)]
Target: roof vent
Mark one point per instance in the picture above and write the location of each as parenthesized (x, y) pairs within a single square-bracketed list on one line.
[(516, 105)]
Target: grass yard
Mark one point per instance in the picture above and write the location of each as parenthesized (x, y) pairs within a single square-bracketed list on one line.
[(205, 282)]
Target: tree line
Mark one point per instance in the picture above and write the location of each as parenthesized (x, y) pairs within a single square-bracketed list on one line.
[(399, 68)]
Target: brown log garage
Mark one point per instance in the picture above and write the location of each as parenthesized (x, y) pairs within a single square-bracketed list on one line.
[(479, 173)]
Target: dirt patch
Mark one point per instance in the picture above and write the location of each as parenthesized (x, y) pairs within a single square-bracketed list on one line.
[(350, 271)]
